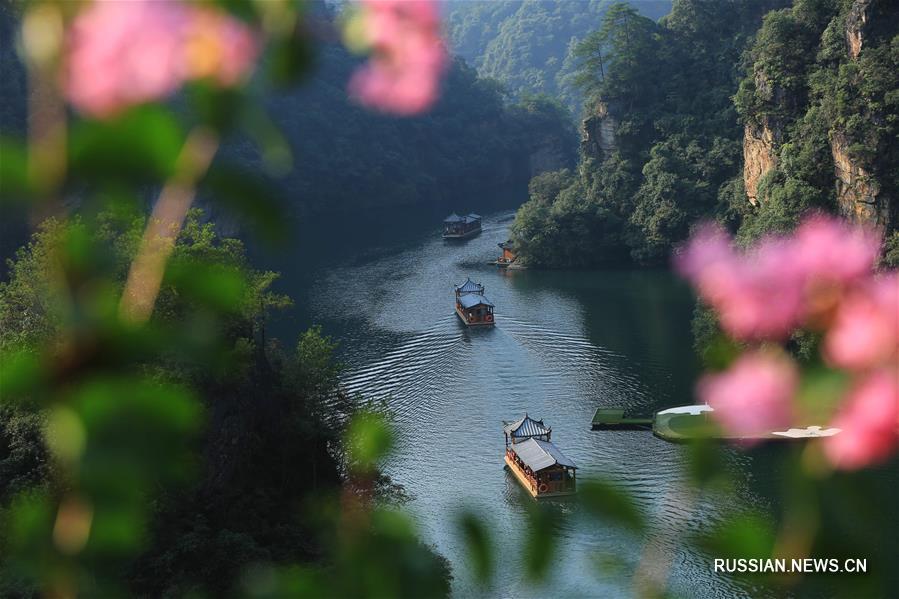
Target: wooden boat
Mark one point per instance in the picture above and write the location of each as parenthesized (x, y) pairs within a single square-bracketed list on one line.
[(509, 256), (541, 468), (472, 307), (461, 227)]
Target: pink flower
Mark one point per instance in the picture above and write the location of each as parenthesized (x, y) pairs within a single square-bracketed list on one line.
[(865, 333), (754, 395), (757, 295), (125, 53), (832, 250), (218, 47), (782, 282), (869, 423), (408, 56)]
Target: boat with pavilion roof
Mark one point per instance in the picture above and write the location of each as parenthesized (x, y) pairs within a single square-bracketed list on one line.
[(461, 227), (472, 306), (509, 256), (538, 465)]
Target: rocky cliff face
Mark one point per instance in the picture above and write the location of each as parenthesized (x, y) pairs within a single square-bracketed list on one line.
[(858, 193), (762, 134), (760, 144), (598, 133), (856, 21)]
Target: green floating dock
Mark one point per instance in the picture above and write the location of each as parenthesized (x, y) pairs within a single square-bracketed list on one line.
[(679, 428), (613, 419)]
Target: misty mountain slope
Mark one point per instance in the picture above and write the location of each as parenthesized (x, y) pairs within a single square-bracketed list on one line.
[(525, 43)]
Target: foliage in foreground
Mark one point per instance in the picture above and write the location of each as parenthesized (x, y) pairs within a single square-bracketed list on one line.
[(165, 448)]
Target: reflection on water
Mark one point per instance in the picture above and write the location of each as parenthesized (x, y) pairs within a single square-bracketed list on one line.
[(564, 344)]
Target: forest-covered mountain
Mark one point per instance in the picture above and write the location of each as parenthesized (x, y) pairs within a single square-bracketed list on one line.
[(473, 143), (747, 111), (525, 44)]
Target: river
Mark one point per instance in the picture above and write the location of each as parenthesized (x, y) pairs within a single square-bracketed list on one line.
[(564, 344)]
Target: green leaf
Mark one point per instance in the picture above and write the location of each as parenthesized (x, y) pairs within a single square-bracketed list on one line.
[(15, 188), (369, 439), (478, 543), (219, 108), (608, 502), (141, 146), (720, 352), (747, 535), (704, 461), (291, 59), (820, 393), (541, 542)]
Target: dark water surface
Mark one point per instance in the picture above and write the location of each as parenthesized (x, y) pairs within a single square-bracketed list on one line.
[(564, 344)]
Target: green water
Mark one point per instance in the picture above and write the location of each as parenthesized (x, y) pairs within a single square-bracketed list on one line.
[(564, 344)]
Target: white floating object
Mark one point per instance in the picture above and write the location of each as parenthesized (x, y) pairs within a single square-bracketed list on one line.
[(692, 410), (807, 433)]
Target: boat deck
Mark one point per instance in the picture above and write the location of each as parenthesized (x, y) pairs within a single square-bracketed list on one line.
[(472, 324), (528, 486), (465, 235)]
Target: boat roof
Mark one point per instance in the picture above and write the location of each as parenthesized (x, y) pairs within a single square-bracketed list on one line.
[(470, 286), (526, 427), (539, 455), (467, 219), (470, 300)]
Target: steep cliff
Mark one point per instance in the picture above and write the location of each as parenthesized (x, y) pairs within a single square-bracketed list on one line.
[(760, 145), (598, 132), (820, 106), (862, 176), (859, 195), (856, 21)]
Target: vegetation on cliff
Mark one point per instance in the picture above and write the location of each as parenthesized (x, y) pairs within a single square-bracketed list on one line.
[(747, 112), (526, 44), (823, 82)]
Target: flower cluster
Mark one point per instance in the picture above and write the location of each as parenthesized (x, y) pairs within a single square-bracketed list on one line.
[(125, 53), (819, 279), (408, 56)]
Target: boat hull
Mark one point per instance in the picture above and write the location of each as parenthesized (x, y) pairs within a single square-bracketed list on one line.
[(465, 235), (524, 482), (472, 324)]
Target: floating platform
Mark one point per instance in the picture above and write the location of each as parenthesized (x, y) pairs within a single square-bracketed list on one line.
[(613, 419), (691, 423)]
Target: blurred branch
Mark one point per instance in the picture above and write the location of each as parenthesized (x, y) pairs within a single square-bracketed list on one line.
[(42, 32), (145, 276)]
